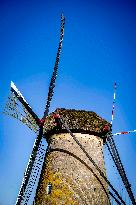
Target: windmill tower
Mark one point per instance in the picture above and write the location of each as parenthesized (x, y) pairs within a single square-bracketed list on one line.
[(72, 171), (68, 177)]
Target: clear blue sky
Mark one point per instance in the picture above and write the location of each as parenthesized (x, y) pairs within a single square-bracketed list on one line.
[(99, 48)]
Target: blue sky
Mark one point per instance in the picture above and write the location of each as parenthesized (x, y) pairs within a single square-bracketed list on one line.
[(98, 49)]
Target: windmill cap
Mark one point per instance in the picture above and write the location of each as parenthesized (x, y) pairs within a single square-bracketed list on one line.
[(78, 121)]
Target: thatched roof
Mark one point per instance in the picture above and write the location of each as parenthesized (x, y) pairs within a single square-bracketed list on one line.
[(78, 121)]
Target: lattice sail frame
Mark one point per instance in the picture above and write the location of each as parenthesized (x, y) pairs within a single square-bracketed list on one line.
[(17, 110), (25, 191), (115, 154)]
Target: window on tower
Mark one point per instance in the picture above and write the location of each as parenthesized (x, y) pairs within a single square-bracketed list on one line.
[(49, 188)]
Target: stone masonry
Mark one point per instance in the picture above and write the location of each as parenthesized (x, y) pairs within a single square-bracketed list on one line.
[(68, 177)]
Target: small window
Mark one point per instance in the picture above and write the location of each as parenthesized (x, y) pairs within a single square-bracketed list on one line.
[(49, 188)]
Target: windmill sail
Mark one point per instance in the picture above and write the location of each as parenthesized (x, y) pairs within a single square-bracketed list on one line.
[(18, 108), (124, 132), (54, 75), (26, 187), (116, 157), (113, 104)]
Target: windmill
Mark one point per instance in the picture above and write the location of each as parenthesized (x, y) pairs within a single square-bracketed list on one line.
[(18, 107)]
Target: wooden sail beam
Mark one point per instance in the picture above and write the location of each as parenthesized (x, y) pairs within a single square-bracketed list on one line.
[(115, 154), (24, 102), (27, 174)]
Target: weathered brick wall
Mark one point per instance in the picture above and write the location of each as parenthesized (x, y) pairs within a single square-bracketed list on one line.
[(73, 177)]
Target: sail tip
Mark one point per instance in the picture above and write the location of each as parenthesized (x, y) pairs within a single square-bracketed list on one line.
[(13, 85), (62, 16)]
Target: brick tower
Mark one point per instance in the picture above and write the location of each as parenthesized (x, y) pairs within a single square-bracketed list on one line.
[(68, 177)]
